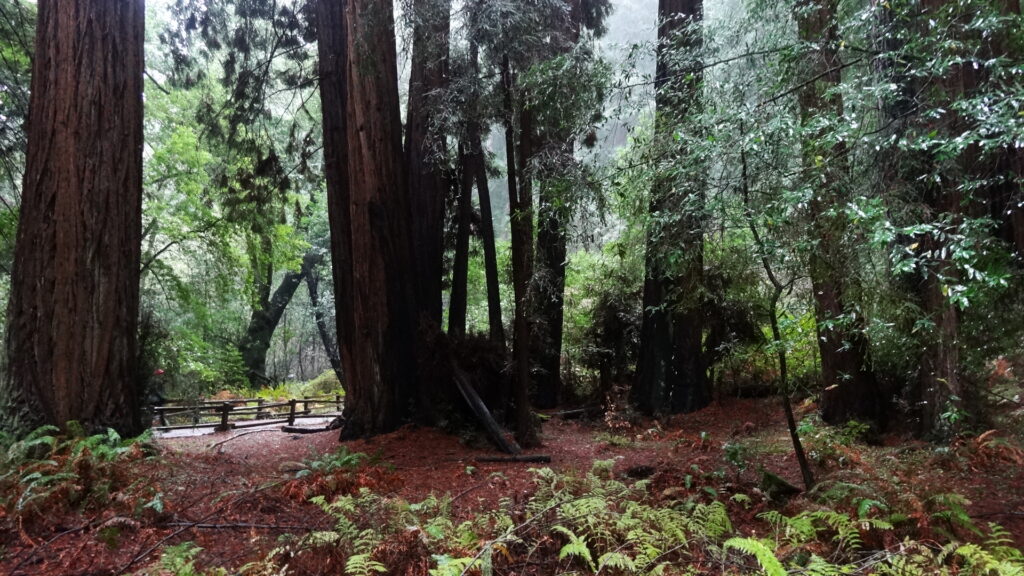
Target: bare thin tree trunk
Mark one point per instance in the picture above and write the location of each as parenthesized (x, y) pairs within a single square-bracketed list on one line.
[(478, 166), (330, 344)]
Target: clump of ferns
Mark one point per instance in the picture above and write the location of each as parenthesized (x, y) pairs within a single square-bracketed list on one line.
[(368, 526), (47, 471), (600, 524), (827, 542)]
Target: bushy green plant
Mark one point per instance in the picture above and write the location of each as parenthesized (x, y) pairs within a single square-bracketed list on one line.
[(340, 459), (326, 383), (48, 471), (180, 560), (596, 523), (829, 445)]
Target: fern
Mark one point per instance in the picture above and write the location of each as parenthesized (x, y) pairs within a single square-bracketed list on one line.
[(818, 566), (576, 547), (764, 555), (847, 532), (866, 505), (616, 561), (713, 520), (797, 530), (978, 560), (448, 566), (952, 508), (1001, 544), (363, 565)]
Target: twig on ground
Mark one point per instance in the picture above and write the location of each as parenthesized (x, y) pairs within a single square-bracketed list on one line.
[(35, 550), (470, 489), (189, 525), (237, 525), (235, 437)]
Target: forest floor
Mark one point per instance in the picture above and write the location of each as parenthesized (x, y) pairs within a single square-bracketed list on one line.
[(234, 496)]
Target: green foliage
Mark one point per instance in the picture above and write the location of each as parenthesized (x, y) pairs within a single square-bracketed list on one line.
[(340, 459), (830, 446), (764, 554), (180, 560), (46, 472)]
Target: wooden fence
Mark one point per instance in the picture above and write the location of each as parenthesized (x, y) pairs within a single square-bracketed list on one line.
[(243, 412)]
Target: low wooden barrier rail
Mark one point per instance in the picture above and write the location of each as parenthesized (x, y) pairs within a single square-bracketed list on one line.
[(237, 413)]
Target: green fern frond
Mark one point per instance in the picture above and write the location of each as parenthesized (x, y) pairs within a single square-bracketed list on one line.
[(711, 520), (576, 547), (764, 555), (363, 565), (865, 505), (616, 561), (818, 566), (448, 566)]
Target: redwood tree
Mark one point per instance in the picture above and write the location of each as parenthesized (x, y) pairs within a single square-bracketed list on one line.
[(74, 304), (851, 391), (520, 206), (671, 374), (369, 213), (425, 150)]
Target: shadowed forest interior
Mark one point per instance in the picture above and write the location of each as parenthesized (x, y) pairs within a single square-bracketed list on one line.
[(458, 287)]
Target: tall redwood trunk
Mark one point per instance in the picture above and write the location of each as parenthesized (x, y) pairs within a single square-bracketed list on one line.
[(369, 214), (460, 267), (548, 284), (425, 150), (553, 215), (939, 387), (521, 221), (478, 167), (671, 373), (75, 283), (850, 388)]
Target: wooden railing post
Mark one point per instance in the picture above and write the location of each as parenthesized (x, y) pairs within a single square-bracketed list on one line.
[(337, 401), (291, 411), (225, 412), (260, 414)]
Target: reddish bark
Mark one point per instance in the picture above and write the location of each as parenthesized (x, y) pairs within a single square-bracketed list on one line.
[(850, 388), (425, 150), (75, 282), (521, 216), (671, 372), (460, 267), (369, 214)]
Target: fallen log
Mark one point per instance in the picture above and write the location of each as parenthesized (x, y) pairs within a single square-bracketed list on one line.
[(305, 430), (535, 458), (479, 409), (577, 412), (335, 424)]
